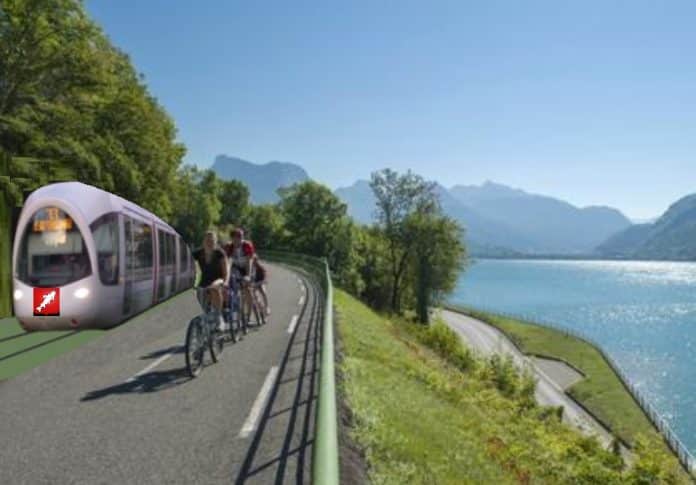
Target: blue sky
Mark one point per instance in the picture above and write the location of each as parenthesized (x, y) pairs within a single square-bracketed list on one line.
[(590, 101)]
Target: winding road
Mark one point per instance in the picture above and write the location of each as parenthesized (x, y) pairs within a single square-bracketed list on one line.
[(122, 409), (488, 340)]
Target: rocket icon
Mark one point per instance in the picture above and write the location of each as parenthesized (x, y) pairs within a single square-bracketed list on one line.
[(46, 301)]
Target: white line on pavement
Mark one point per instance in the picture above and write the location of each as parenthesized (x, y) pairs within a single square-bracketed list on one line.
[(151, 366), (301, 302), (251, 420), (293, 324)]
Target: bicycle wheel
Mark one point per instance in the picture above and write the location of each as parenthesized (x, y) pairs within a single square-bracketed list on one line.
[(195, 347), (216, 340), (261, 309), (260, 319), (244, 320)]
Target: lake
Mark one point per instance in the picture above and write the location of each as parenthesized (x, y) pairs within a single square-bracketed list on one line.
[(642, 313)]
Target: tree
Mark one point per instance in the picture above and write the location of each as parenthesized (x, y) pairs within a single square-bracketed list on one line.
[(399, 197), (235, 202), (197, 200), (68, 96), (437, 258), (312, 213), (264, 225)]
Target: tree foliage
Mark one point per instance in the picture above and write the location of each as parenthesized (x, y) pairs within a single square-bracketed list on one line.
[(67, 96), (399, 198), (264, 224), (198, 204), (316, 223), (234, 198)]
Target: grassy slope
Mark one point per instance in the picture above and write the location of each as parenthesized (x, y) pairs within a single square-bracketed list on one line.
[(421, 420), (601, 391)]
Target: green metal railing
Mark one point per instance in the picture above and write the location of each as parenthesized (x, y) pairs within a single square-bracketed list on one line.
[(325, 467)]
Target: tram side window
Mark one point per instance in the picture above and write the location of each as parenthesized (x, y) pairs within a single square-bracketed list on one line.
[(183, 263), (171, 248), (139, 249), (105, 235)]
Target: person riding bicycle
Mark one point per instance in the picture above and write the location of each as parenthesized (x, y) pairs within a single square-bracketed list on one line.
[(212, 262), (259, 282), (241, 254)]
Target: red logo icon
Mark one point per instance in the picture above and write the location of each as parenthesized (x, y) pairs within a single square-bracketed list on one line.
[(46, 302)]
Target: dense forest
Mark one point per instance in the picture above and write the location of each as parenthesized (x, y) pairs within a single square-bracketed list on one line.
[(73, 107)]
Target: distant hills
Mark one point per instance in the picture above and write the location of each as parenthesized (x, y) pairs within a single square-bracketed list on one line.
[(263, 180), (504, 221), (671, 237)]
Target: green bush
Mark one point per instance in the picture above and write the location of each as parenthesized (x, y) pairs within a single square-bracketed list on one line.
[(446, 343)]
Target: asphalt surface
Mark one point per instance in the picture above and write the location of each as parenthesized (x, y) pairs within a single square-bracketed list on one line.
[(122, 409), (488, 340)]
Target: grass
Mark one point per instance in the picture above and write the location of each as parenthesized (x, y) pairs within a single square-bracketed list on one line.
[(5, 260), (21, 351), (601, 391), (425, 411)]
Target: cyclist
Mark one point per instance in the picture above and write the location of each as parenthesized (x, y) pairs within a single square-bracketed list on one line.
[(241, 253), (212, 262), (260, 278)]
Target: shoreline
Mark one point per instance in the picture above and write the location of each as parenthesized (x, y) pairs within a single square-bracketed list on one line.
[(570, 257), (488, 339), (620, 427)]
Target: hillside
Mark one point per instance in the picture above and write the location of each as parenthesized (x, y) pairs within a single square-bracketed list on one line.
[(263, 180), (671, 237), (451, 417)]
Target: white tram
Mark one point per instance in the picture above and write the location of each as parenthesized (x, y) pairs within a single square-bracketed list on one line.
[(86, 258)]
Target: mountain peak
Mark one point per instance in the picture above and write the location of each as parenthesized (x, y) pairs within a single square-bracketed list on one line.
[(263, 180)]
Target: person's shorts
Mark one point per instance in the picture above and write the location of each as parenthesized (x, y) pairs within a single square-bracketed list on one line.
[(217, 284)]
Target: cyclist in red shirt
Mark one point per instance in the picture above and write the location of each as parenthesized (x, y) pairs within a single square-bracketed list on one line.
[(244, 261)]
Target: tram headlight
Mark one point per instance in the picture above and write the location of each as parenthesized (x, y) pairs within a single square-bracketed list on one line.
[(18, 295), (81, 293)]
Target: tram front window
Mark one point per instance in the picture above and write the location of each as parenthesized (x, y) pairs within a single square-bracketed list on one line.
[(52, 251)]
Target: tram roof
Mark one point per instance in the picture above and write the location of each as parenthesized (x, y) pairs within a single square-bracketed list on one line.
[(92, 201)]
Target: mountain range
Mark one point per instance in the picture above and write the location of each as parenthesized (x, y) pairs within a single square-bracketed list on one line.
[(263, 180), (507, 222), (672, 236)]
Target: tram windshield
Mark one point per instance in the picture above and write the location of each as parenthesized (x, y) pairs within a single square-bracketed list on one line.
[(52, 251)]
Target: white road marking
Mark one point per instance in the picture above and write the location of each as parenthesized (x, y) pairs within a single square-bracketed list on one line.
[(251, 420), (293, 324), (301, 302), (151, 366)]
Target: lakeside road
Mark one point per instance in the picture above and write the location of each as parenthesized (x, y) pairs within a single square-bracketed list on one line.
[(487, 340)]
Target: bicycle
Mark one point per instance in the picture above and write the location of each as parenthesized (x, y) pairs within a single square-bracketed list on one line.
[(202, 333), (258, 310), (233, 313)]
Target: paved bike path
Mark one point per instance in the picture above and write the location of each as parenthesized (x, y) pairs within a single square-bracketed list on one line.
[(121, 409)]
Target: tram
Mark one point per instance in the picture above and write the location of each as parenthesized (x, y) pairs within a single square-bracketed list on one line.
[(86, 258)]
